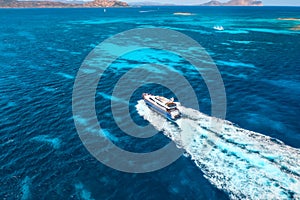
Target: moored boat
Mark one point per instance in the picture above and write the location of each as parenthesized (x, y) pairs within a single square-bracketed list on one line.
[(219, 28)]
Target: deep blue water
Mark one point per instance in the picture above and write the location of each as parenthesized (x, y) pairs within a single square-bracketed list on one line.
[(41, 51)]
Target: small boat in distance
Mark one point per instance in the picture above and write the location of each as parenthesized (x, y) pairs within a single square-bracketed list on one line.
[(166, 107), (219, 28), (183, 13)]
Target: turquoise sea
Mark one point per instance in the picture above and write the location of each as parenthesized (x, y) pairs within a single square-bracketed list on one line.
[(258, 56)]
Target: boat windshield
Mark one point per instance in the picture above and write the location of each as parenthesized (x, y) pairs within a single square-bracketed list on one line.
[(171, 105)]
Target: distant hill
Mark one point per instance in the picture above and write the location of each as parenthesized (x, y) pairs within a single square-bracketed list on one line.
[(150, 3), (212, 3), (234, 3), (58, 4)]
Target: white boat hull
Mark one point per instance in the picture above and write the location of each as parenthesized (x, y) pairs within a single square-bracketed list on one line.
[(162, 105)]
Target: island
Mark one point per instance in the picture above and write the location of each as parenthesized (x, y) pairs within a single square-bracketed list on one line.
[(59, 4), (234, 3), (106, 3)]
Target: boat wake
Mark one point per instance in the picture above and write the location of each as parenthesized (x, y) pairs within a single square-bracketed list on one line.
[(243, 163)]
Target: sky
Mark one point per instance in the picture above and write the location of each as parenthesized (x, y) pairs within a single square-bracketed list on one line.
[(191, 2)]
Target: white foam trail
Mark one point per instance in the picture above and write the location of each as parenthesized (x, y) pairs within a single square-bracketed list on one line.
[(243, 163)]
